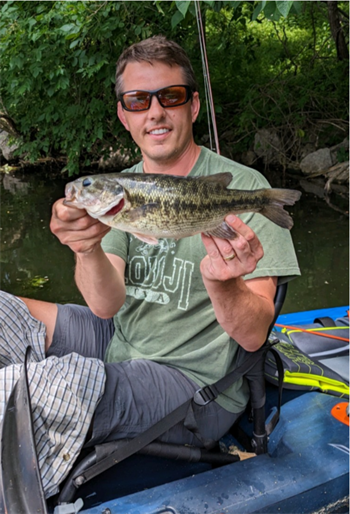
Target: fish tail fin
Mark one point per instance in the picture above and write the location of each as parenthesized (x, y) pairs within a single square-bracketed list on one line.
[(273, 209)]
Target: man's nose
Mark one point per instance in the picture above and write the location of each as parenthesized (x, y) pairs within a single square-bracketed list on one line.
[(156, 109)]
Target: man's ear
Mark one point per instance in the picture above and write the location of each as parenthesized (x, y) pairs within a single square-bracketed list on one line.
[(121, 116), (195, 106)]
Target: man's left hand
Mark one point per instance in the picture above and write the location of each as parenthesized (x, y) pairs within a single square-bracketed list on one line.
[(234, 258)]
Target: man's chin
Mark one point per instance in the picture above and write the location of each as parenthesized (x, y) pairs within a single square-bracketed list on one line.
[(162, 156)]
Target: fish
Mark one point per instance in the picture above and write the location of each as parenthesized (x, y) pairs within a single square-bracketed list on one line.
[(156, 206)]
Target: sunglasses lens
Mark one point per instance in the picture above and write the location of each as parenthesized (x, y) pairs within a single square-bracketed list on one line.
[(136, 100), (172, 96)]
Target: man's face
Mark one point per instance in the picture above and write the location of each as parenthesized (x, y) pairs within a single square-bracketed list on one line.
[(163, 135)]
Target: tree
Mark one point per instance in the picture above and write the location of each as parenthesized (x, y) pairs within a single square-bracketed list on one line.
[(337, 30), (271, 62)]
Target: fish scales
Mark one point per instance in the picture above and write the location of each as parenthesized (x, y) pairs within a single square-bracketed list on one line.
[(156, 206), (183, 205)]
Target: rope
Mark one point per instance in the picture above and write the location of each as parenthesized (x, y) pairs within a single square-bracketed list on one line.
[(309, 331), (207, 85)]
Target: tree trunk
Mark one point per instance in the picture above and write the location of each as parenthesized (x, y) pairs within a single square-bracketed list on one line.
[(337, 31)]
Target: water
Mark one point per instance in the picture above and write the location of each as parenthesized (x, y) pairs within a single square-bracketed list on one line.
[(34, 263)]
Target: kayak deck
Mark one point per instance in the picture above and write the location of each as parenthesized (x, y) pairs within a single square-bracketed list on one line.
[(307, 468)]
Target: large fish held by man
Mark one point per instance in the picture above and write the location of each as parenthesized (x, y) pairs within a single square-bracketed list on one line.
[(152, 206)]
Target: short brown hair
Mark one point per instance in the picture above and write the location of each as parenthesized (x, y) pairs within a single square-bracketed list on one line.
[(156, 48)]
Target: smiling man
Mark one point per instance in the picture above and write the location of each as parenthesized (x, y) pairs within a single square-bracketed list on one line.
[(162, 320)]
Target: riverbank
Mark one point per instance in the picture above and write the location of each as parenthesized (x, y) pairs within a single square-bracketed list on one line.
[(323, 172)]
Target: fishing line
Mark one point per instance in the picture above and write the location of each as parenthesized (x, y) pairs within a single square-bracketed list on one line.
[(207, 84)]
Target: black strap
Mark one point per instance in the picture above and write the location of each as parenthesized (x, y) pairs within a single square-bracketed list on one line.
[(275, 418), (127, 448), (210, 392), (202, 397)]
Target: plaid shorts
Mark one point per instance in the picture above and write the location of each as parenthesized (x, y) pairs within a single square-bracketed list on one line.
[(64, 391)]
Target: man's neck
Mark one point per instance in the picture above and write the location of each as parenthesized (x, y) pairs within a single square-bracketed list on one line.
[(180, 166)]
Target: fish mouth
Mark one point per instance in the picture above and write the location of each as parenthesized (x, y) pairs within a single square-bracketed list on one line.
[(116, 208), (73, 203)]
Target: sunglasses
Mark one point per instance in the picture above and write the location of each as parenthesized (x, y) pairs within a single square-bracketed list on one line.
[(171, 96)]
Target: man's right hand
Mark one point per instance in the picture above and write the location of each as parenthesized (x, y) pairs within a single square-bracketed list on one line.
[(75, 228)]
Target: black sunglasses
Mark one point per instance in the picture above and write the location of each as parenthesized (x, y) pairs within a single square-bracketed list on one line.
[(171, 96)]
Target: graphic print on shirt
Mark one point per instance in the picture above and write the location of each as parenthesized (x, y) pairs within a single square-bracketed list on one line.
[(148, 280)]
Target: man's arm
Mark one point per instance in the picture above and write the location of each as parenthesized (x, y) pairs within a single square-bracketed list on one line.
[(100, 278), (244, 309)]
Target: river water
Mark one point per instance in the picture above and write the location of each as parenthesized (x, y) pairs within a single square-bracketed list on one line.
[(34, 263)]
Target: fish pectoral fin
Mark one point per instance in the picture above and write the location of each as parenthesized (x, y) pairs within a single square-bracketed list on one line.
[(223, 231), (142, 211), (219, 178), (146, 239)]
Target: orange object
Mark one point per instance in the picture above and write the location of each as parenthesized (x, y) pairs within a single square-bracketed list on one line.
[(310, 331), (340, 412)]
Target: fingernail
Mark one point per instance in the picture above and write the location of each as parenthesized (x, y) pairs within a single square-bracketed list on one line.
[(231, 218)]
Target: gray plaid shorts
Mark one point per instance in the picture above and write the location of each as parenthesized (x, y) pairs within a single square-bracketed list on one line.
[(64, 391)]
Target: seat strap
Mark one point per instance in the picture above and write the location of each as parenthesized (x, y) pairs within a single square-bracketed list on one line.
[(209, 393), (126, 448), (203, 396)]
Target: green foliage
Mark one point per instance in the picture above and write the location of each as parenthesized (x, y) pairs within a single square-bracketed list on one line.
[(270, 62), (58, 66), (277, 74)]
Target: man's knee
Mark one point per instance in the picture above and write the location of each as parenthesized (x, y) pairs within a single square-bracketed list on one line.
[(45, 312)]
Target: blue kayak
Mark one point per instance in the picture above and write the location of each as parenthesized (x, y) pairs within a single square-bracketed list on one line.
[(302, 469), (306, 468)]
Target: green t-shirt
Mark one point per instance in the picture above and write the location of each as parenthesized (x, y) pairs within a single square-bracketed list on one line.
[(167, 316)]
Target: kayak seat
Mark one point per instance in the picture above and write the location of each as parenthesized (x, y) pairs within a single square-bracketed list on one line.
[(250, 364)]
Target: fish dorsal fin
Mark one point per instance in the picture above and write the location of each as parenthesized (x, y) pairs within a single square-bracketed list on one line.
[(220, 178)]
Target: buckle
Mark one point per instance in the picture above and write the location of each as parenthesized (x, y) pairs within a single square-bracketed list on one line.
[(205, 395)]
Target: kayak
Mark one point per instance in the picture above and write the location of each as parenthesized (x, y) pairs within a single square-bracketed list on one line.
[(305, 470)]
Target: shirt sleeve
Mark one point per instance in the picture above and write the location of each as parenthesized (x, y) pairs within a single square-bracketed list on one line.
[(279, 258)]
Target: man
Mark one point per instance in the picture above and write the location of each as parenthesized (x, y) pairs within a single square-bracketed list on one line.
[(165, 319)]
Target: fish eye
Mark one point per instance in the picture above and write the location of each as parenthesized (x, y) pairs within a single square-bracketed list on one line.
[(86, 182)]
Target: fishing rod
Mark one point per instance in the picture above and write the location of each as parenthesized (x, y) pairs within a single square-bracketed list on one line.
[(207, 84)]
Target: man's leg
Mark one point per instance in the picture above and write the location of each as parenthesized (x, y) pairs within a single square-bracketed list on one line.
[(72, 328), (18, 330), (138, 393), (45, 312)]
